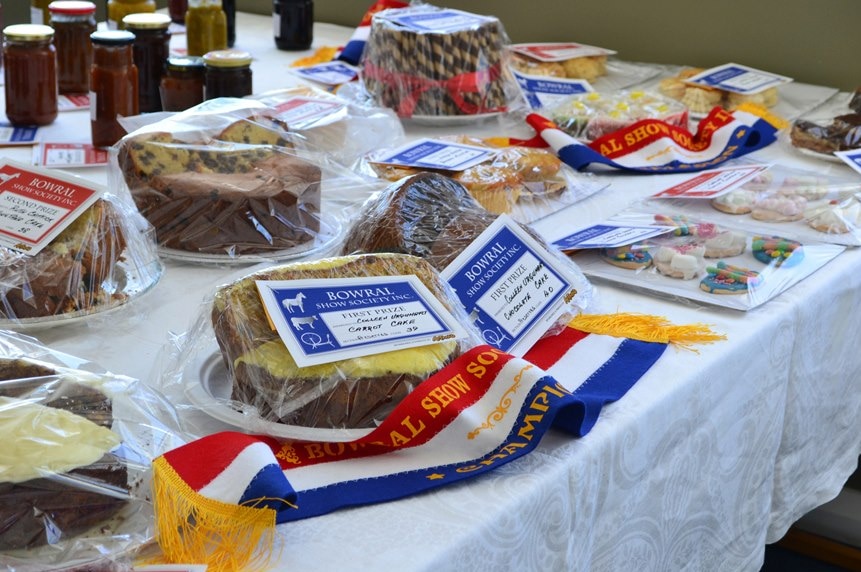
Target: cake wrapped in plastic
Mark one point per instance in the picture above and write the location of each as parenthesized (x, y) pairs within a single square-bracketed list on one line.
[(834, 126), (592, 115), (103, 258), (74, 470), (228, 180), (426, 61)]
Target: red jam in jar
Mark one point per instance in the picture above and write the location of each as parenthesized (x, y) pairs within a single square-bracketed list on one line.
[(182, 83), (73, 22), (151, 50), (114, 82), (30, 74)]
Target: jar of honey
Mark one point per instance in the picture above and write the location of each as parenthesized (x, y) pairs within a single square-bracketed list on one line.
[(119, 9), (151, 50), (205, 27), (182, 83), (73, 22), (30, 74), (228, 74), (114, 85)]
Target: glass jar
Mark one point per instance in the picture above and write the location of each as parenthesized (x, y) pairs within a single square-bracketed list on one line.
[(293, 24), (73, 22), (151, 50), (39, 11), (229, 7), (182, 83), (205, 27), (30, 74), (176, 9), (119, 9), (228, 74), (114, 85)]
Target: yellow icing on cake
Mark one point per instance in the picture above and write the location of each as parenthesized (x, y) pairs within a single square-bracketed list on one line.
[(41, 440)]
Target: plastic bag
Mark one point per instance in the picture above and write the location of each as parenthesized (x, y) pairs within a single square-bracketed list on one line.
[(833, 126), (74, 475)]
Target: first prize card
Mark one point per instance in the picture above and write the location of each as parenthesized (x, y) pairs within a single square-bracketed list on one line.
[(36, 205), (609, 235), (435, 154), (738, 78), (513, 288), (326, 320)]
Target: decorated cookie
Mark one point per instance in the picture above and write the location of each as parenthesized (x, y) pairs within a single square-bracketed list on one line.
[(626, 257), (724, 278), (776, 250), (779, 208), (685, 262), (735, 202), (724, 244), (685, 227)]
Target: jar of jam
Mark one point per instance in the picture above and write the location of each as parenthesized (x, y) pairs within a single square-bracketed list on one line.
[(176, 9), (119, 9), (205, 27), (151, 50), (73, 22), (114, 85), (182, 83), (228, 74), (30, 74), (293, 23)]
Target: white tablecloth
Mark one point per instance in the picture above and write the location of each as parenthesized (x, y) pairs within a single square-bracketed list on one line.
[(708, 458)]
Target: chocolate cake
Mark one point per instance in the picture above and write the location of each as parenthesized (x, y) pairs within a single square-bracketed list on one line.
[(842, 134), (54, 507), (350, 393), (77, 271)]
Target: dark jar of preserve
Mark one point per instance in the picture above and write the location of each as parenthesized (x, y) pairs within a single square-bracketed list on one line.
[(182, 83), (30, 74), (228, 74), (73, 22), (114, 85), (151, 50), (293, 24)]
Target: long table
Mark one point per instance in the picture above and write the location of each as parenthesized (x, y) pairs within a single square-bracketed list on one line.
[(713, 454)]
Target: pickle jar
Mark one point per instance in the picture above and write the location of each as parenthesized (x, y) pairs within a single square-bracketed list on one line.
[(119, 9), (30, 74), (73, 22), (205, 27), (228, 74), (182, 83), (114, 85), (151, 50)]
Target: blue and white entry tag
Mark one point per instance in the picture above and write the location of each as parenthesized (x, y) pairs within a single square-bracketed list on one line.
[(851, 158), (511, 286), (329, 73), (544, 91), (325, 320), (436, 154), (609, 235), (738, 78), (444, 20)]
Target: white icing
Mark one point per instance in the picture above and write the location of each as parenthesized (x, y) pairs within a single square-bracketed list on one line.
[(725, 240), (40, 440)]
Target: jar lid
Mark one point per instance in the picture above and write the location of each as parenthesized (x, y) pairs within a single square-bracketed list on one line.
[(227, 59), (28, 32), (72, 7), (112, 37), (184, 63), (147, 21)]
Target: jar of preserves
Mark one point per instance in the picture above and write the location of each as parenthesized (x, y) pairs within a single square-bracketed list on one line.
[(39, 11), (176, 9), (114, 85), (30, 74), (73, 22), (182, 83), (151, 50), (205, 27), (293, 24), (228, 74), (119, 9)]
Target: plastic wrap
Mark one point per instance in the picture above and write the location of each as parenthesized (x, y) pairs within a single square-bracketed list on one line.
[(592, 115), (74, 474), (333, 124), (808, 205), (715, 264), (226, 181), (525, 182), (103, 259), (833, 126), (430, 63)]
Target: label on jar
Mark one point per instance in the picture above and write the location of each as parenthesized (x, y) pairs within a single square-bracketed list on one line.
[(92, 97), (36, 205), (436, 154), (326, 320), (36, 15), (60, 155), (512, 287)]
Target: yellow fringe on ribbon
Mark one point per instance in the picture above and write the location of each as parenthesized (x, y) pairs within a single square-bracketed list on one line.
[(322, 55), (646, 328), (761, 111), (193, 529)]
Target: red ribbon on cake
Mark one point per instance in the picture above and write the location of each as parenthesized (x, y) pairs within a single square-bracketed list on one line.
[(455, 86)]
